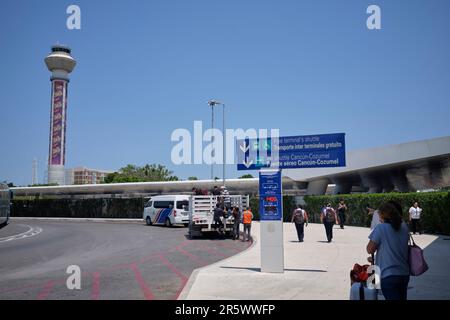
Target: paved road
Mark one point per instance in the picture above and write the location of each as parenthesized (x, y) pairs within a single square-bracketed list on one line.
[(117, 260)]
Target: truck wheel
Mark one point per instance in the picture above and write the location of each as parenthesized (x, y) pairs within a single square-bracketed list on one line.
[(186, 224), (148, 221), (168, 223)]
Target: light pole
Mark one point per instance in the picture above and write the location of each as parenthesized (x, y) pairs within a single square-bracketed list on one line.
[(213, 103)]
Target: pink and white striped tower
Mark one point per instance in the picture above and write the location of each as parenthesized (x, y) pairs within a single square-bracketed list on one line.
[(60, 63)]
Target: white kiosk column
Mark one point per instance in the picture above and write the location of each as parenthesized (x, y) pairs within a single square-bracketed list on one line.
[(271, 217)]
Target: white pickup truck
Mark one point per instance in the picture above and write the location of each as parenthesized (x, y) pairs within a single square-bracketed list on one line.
[(201, 213)]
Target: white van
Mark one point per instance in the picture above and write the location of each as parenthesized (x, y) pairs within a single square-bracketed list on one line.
[(167, 210)]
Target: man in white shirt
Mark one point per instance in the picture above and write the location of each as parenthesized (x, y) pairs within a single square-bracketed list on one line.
[(375, 217), (226, 196), (414, 217)]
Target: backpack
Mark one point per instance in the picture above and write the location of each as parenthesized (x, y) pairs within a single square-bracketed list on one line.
[(299, 216), (329, 215)]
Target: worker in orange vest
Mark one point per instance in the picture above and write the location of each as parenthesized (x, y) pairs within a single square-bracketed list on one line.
[(247, 217)]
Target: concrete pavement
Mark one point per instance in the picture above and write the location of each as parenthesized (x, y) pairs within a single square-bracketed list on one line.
[(314, 269)]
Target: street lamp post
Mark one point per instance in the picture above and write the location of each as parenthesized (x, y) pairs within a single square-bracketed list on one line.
[(213, 103)]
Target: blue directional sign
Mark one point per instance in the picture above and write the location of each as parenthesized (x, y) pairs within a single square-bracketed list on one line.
[(312, 151), (270, 195)]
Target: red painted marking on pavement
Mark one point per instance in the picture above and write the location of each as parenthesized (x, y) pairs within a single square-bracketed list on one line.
[(213, 251), (95, 290), (191, 256), (140, 280), (180, 275), (45, 292)]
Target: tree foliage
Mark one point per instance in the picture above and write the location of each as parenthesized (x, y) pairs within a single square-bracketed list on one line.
[(9, 184), (134, 173)]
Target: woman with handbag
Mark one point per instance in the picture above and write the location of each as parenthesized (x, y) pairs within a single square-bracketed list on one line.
[(389, 240)]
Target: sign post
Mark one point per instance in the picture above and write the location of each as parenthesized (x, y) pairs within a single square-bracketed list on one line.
[(270, 155), (271, 217)]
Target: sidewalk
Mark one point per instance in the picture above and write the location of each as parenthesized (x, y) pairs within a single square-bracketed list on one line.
[(314, 269)]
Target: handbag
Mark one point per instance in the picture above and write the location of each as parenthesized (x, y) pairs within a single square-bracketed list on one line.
[(417, 263)]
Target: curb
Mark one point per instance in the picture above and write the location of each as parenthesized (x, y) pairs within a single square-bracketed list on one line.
[(117, 220), (187, 287)]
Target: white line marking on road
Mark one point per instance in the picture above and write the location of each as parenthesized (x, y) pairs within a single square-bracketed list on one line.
[(32, 231)]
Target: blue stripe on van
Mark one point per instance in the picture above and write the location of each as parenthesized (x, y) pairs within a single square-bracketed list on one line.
[(164, 214)]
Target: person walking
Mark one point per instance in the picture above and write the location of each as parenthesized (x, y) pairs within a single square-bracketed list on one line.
[(218, 214), (389, 240), (237, 221), (328, 218), (342, 209), (300, 219), (414, 218), (247, 217)]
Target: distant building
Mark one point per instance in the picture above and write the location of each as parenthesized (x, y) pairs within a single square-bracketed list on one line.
[(83, 175)]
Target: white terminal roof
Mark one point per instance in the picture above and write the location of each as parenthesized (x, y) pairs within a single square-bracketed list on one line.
[(377, 158), (376, 161)]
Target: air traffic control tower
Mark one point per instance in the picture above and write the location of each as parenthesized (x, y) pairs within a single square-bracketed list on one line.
[(60, 63)]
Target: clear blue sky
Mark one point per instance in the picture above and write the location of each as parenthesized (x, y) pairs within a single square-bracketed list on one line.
[(146, 68)]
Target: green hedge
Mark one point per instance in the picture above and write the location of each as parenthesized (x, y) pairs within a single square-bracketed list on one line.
[(79, 208), (435, 205), (104, 208)]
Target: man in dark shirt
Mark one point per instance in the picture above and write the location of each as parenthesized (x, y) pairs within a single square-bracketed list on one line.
[(342, 209), (215, 191), (237, 221), (218, 214)]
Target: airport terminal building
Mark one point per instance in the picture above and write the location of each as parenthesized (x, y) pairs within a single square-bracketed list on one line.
[(407, 167)]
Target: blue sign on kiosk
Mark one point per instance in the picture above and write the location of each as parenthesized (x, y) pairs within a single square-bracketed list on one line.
[(270, 195), (312, 151)]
